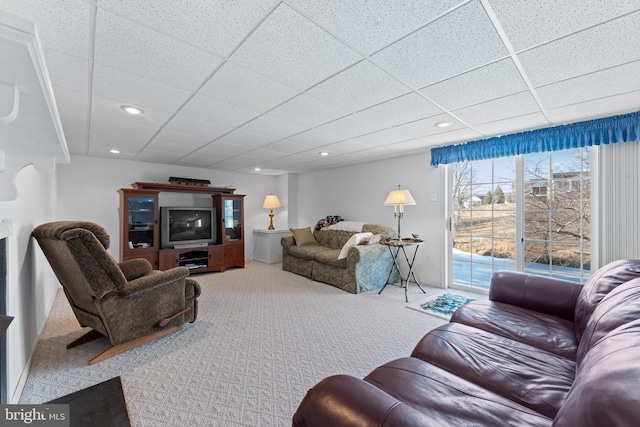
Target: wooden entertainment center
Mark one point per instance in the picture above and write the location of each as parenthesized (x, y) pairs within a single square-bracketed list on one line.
[(140, 228)]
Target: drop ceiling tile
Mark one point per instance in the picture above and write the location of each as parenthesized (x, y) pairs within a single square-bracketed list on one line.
[(247, 139), (455, 43), (291, 49), (104, 126), (128, 47), (169, 147), (584, 52), (187, 139), (383, 137), (426, 127), (209, 110), (207, 157), (456, 136), (76, 139), (100, 142), (483, 84), (349, 127), (242, 87), (288, 147), (75, 121), (273, 127), (285, 162), (307, 111), (359, 87), (313, 138), (109, 109), (266, 154), (67, 71), (513, 124), (370, 25), (214, 26), (193, 162), (131, 89), (412, 144), (404, 109), (62, 24), (220, 146), (502, 108), (207, 130), (534, 22), (71, 101), (154, 156), (604, 107), (237, 162), (345, 147), (609, 82)]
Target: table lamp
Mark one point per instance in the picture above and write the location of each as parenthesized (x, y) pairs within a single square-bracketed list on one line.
[(271, 202), (398, 199)]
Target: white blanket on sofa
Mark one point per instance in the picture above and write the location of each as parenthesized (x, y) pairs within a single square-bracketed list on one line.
[(347, 226)]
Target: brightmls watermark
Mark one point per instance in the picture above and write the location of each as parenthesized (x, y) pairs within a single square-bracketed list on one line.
[(55, 415)]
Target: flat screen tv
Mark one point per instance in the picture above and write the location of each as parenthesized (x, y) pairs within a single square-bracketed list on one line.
[(182, 227)]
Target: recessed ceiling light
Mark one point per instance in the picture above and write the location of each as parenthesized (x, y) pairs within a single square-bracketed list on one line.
[(114, 151), (443, 124), (257, 169), (324, 153), (132, 110)]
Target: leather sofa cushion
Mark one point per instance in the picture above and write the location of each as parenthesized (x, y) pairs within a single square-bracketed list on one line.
[(308, 251), (620, 306), (331, 257), (605, 392), (532, 377), (447, 399), (537, 329), (599, 285)]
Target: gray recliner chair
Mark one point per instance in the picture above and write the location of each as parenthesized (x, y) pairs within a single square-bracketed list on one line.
[(128, 302)]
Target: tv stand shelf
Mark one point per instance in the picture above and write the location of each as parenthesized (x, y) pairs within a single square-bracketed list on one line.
[(195, 259), (140, 226)]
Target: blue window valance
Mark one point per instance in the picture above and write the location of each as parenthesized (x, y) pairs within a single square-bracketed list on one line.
[(607, 130)]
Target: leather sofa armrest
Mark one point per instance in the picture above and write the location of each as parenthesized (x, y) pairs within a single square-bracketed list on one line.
[(345, 401), (135, 268), (539, 293)]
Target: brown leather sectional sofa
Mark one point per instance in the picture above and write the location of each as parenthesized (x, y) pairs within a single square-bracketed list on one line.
[(539, 352)]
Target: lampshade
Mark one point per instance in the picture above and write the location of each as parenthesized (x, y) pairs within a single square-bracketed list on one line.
[(399, 197), (271, 202)]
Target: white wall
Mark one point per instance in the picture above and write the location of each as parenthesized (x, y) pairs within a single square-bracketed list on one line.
[(31, 285), (88, 190), (358, 193)]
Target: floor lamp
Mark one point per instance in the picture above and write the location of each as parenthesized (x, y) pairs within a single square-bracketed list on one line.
[(398, 199)]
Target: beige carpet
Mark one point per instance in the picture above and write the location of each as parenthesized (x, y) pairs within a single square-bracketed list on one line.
[(262, 339)]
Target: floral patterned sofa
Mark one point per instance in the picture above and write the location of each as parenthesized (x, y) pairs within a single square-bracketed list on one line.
[(365, 267)]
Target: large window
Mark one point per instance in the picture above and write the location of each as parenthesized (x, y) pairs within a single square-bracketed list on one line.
[(524, 213)]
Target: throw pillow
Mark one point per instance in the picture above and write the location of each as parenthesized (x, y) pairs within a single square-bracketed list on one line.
[(303, 236), (353, 241), (371, 240)]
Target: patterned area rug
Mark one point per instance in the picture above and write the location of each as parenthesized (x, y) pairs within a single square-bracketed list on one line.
[(442, 304)]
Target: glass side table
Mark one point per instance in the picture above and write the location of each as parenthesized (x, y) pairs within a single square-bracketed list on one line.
[(400, 247)]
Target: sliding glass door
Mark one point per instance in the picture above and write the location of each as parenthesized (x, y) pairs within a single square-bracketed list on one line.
[(483, 221), (557, 232), (520, 213)]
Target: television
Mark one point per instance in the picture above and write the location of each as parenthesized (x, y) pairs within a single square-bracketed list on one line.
[(182, 227)]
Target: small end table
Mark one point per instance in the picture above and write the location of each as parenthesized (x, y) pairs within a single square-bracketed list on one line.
[(400, 246)]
